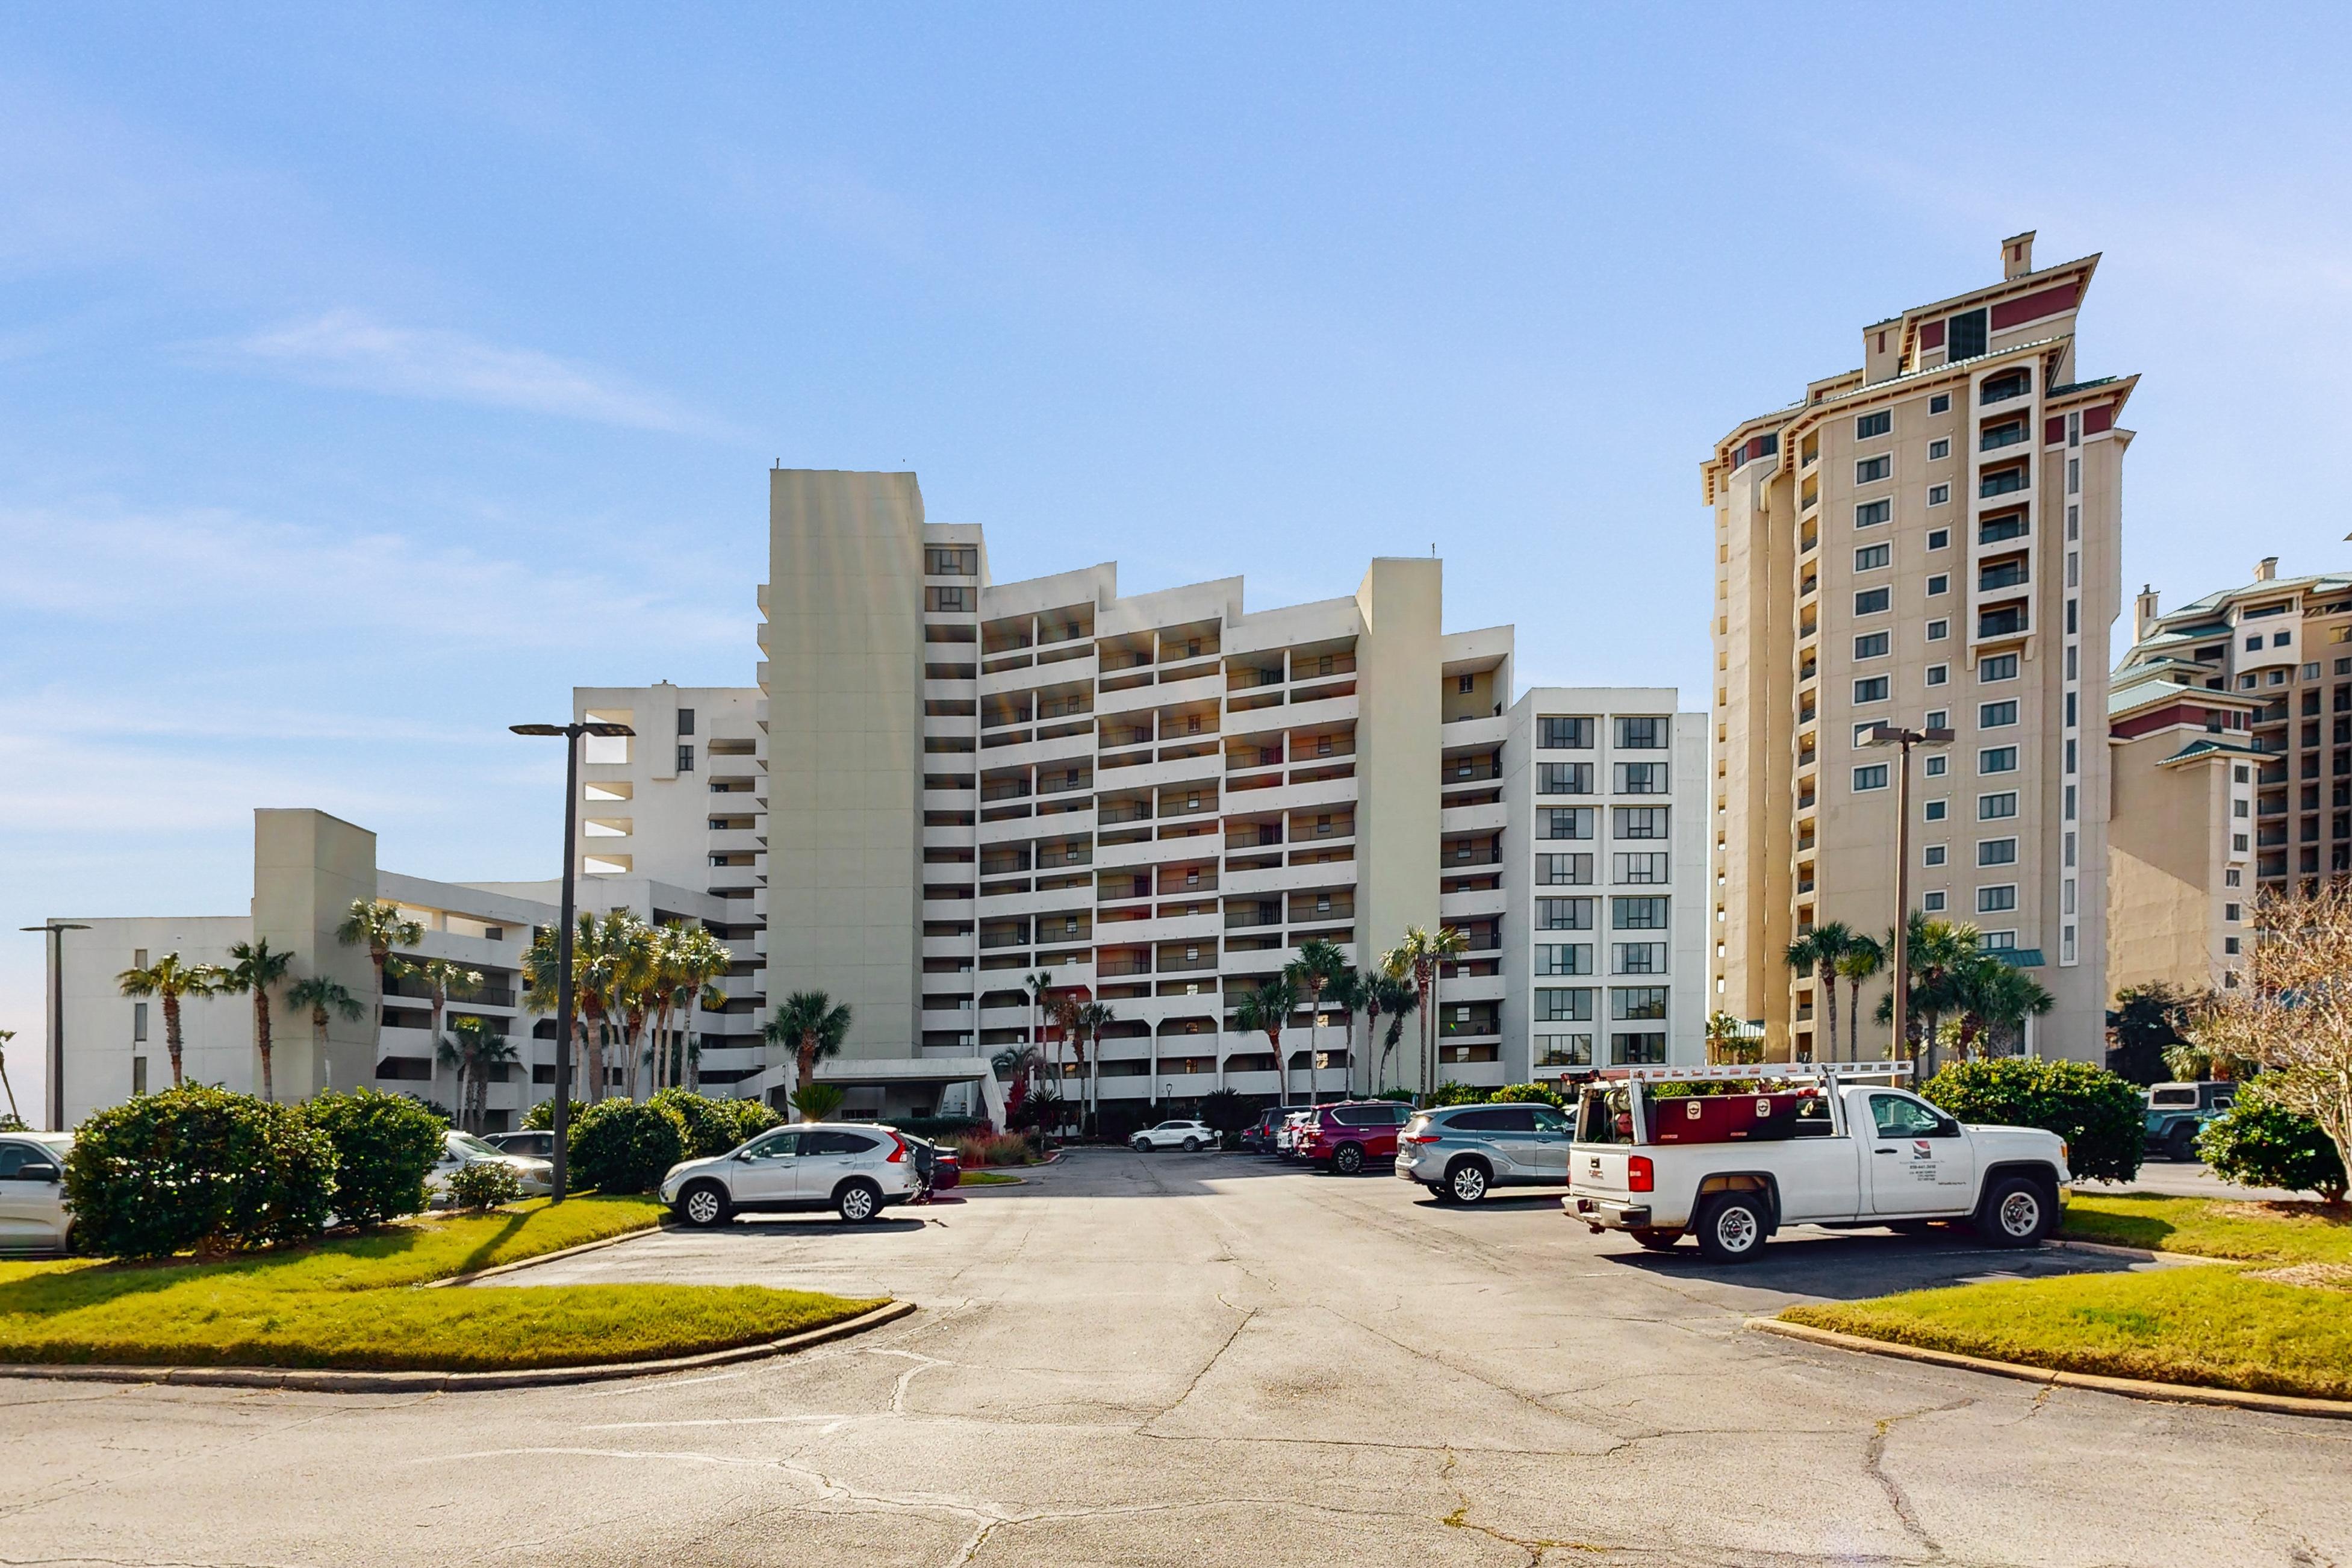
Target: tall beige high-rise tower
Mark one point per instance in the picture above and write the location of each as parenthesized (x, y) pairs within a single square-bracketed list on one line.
[(1932, 539)]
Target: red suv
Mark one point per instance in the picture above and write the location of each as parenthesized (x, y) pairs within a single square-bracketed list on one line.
[(1349, 1134)]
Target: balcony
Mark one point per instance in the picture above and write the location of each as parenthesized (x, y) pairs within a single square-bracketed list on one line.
[(2011, 525), (1999, 436), (2003, 481), (2002, 574)]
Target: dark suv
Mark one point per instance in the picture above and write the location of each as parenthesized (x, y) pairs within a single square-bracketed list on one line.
[(1257, 1138), (1347, 1136)]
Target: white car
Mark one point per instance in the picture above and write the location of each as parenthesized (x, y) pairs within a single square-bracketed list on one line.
[(33, 1213), (1288, 1139), (1190, 1136), (536, 1177), (855, 1170)]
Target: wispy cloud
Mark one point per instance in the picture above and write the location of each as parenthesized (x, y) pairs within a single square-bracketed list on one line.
[(350, 349)]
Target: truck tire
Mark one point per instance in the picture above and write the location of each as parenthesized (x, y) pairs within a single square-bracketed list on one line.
[(1465, 1183), (2017, 1212), (2182, 1144), (1657, 1240), (1731, 1227), (1348, 1160)]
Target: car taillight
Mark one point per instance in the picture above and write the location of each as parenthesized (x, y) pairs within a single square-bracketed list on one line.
[(1419, 1138), (1640, 1175), (898, 1150)]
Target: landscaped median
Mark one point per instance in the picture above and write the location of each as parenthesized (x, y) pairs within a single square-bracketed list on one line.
[(2272, 1315), (355, 1303)]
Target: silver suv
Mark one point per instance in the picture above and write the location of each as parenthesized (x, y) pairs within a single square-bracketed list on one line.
[(856, 1170), (1458, 1152)]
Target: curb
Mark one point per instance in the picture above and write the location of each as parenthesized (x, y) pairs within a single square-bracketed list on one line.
[(329, 1381), (2129, 1387), (2110, 1249), (535, 1259)]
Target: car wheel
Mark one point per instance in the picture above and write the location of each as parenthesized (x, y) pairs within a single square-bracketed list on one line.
[(704, 1204), (2016, 1213), (1466, 1182), (1731, 1227), (858, 1202), (1139, 1146), (1657, 1240), (1192, 1145), (1349, 1161), (2183, 1146)]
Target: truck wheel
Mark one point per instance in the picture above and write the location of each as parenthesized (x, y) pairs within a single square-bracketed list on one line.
[(2017, 1212), (1466, 1182), (2183, 1144), (1731, 1227), (1349, 1161), (1657, 1240), (704, 1204)]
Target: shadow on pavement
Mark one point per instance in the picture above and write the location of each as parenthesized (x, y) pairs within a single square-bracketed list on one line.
[(1850, 1266)]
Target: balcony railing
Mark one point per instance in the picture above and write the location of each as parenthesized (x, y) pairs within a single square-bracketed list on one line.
[(2001, 435), (2009, 574), (1997, 529), (2004, 482)]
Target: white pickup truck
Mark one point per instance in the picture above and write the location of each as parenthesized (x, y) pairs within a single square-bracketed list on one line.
[(1806, 1145)]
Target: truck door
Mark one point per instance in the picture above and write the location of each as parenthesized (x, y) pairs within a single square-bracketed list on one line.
[(1920, 1162)]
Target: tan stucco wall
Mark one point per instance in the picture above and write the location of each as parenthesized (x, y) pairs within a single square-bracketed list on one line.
[(2168, 829), (1397, 739), (308, 868)]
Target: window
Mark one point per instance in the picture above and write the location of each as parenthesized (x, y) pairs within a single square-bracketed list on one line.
[(1935, 766), (1870, 424), (1938, 450), (1872, 690), (1564, 822), (1864, 731), (1937, 632), (1870, 557), (1870, 514), (1941, 402), (1640, 822), (1939, 539), (2000, 667), (1871, 646), (685, 759), (1628, 1004), (1939, 718), (2229, 945), (1564, 1050), (1563, 778), (1554, 733), (1566, 958), (1939, 584), (2229, 877), (1560, 1004), (1466, 683), (1563, 914), (1640, 778), (2237, 808), (1645, 867), (1869, 777), (1872, 601), (2253, 645), (1938, 495), (2228, 913), (1933, 903), (2002, 387), (2280, 639), (138, 1017), (1964, 335), (1993, 807), (1637, 958), (1641, 734), (1996, 901), (138, 1075), (2073, 476), (1935, 854), (1637, 914), (1869, 470), (1997, 760), (1993, 715), (1563, 870), (1897, 1117), (1996, 851), (686, 720)]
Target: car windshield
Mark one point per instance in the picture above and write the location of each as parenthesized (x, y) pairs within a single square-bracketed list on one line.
[(471, 1145), (55, 1142)]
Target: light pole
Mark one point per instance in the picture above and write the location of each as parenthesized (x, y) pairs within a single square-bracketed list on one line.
[(1904, 740), (57, 1067), (562, 1118)]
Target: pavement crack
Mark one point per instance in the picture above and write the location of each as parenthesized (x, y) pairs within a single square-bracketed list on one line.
[(1874, 1455), (1216, 1356)]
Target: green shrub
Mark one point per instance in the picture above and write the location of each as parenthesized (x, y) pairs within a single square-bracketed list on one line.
[(710, 1127), (1451, 1092), (752, 1118), (384, 1146), (938, 1128), (10, 1123), (197, 1167), (1227, 1111), (818, 1101), (1044, 1110), (541, 1118), (626, 1145), (2259, 1143), (2097, 1112), (484, 1185), (995, 1148), (433, 1108), (1524, 1093)]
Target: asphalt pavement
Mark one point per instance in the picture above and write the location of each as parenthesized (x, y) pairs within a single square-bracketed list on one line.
[(1201, 1359)]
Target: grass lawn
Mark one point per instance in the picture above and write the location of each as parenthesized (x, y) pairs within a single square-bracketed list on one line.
[(354, 1303), (2252, 1232), (2215, 1325), (984, 1179)]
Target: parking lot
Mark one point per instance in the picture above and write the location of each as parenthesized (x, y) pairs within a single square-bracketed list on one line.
[(1186, 1359)]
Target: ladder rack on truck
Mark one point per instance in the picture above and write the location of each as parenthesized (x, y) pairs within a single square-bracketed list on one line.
[(1758, 1072), (1773, 1108)]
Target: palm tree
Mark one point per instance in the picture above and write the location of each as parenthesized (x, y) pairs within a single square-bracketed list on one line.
[(14, 1119), (1726, 1035), (1863, 958), (258, 967), (1427, 955), (812, 1026), (1816, 952), (1933, 951), (1993, 995), (319, 993), (1397, 998), (1319, 963), (1039, 989), (1348, 993), (1266, 1010), (171, 979), (1091, 1019), (379, 926), (444, 980)]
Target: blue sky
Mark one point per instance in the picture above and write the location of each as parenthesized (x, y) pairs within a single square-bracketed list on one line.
[(369, 378)]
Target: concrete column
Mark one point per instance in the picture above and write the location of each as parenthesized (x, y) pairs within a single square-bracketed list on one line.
[(308, 866), (1399, 678)]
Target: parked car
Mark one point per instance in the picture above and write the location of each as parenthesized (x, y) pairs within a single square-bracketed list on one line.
[(536, 1177), (34, 1216), (539, 1145), (1183, 1133), (1259, 1137), (933, 1163), (856, 1170), (1286, 1136), (2177, 1112), (1812, 1148), (1347, 1135), (1461, 1152)]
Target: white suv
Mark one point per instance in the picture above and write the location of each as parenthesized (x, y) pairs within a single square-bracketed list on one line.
[(33, 1213), (856, 1171), (1189, 1136)]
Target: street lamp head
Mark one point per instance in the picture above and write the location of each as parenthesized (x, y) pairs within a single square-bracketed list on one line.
[(1935, 735), (1885, 735), (536, 729), (602, 729), (56, 925)]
